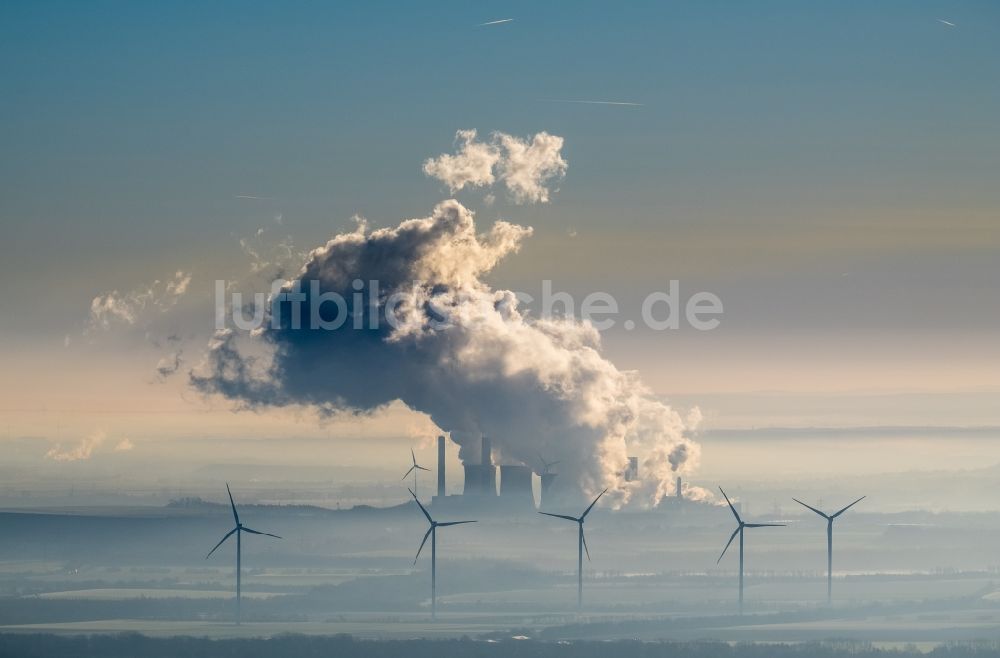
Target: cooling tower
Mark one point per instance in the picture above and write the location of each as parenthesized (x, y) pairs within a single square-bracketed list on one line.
[(632, 470), (515, 484), (546, 493), (481, 478)]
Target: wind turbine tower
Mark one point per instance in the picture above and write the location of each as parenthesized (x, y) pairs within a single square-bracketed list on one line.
[(432, 533), (238, 531), (581, 545), (740, 527), (413, 469), (546, 478), (829, 542)]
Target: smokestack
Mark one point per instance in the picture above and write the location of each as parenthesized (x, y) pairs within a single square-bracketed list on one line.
[(441, 466), (680, 492), (486, 456)]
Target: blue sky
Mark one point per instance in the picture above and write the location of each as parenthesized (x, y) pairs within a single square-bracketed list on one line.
[(829, 170)]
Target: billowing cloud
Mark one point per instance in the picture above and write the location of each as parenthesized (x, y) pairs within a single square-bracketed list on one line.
[(473, 164), (435, 336), (525, 167), (124, 445), (130, 308)]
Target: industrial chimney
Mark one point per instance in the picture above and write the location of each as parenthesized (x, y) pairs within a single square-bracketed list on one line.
[(680, 492), (441, 466), (486, 454)]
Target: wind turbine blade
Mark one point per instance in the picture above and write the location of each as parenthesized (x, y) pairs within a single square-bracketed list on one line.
[(429, 519), (587, 550), (562, 516), (763, 525), (232, 504), (407, 473), (421, 468), (848, 507), (455, 523), (258, 532), (222, 541), (731, 538), (735, 513), (426, 535), (823, 514), (584, 515), (413, 456)]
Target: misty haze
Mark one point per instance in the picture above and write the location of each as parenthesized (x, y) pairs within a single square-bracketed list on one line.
[(364, 329)]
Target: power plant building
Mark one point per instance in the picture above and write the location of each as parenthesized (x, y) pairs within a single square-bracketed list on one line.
[(481, 478)]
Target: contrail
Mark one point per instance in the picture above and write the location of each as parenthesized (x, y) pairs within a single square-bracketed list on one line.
[(563, 100), (502, 20), (249, 196), (948, 23)]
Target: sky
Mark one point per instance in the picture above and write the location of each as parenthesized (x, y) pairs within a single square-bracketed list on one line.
[(829, 172)]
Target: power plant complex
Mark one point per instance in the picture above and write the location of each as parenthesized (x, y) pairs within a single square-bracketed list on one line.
[(480, 488), (510, 487)]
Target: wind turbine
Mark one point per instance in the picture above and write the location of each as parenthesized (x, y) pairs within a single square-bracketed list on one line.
[(739, 531), (829, 542), (581, 545), (413, 469), (432, 533), (238, 530), (546, 466)]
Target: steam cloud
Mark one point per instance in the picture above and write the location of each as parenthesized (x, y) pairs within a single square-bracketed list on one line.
[(459, 351)]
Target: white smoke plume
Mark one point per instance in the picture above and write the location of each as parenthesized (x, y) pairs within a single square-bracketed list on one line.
[(461, 352), (525, 167)]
